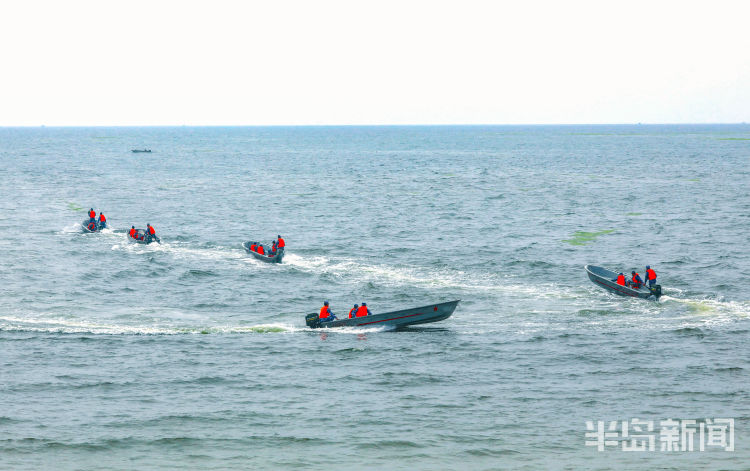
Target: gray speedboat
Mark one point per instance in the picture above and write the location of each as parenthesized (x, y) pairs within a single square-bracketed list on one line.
[(603, 277), (268, 258), (397, 319), (147, 239)]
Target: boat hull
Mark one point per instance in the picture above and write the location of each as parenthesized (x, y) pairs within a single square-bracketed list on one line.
[(98, 226), (264, 258), (394, 319), (603, 278)]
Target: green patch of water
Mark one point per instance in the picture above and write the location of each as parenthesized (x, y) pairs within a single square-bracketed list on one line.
[(74, 207), (697, 306), (734, 138), (694, 180), (582, 238), (634, 214)]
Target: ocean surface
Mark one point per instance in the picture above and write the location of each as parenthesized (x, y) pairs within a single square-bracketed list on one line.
[(192, 355)]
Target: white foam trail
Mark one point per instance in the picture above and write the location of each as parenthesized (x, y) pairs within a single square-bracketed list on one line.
[(179, 251), (358, 272), (71, 229), (709, 306), (73, 326)]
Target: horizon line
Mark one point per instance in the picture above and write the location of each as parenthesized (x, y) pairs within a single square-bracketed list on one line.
[(358, 125)]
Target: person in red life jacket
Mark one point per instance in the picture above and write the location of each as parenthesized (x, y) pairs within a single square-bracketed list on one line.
[(273, 248), (261, 250), (253, 246), (151, 233), (620, 279), (635, 280), (650, 276), (325, 313), (102, 220), (280, 243), (92, 226), (133, 233), (353, 311), (362, 311)]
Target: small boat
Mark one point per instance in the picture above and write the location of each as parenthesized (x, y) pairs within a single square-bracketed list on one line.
[(93, 226), (603, 277), (268, 258), (147, 239), (394, 319), (141, 151)]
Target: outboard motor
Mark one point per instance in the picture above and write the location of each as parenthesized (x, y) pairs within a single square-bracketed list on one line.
[(656, 291), (312, 321)]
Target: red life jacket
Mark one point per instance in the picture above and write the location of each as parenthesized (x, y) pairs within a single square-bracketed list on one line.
[(92, 226), (253, 247), (635, 279), (132, 233), (323, 312), (362, 311), (102, 218), (151, 230), (92, 214), (351, 313), (650, 274), (281, 243), (621, 280), (261, 250)]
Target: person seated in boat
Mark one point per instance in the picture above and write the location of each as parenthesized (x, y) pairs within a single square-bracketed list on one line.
[(273, 248), (325, 313), (620, 279), (353, 311), (650, 276), (133, 233), (261, 250), (102, 220), (92, 215), (362, 311), (635, 280), (253, 246), (280, 243)]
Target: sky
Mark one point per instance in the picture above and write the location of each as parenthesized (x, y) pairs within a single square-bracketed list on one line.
[(286, 62)]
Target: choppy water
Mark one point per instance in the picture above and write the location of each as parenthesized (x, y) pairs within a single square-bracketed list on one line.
[(190, 355)]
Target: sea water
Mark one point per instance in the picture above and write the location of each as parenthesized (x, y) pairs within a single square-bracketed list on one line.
[(193, 355)]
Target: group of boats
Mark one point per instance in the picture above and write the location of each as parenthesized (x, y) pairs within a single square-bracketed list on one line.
[(437, 312), (602, 277)]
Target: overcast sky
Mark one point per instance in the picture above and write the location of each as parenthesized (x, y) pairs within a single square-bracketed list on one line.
[(380, 62)]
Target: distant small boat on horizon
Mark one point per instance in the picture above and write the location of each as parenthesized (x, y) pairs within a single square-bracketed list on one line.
[(136, 151)]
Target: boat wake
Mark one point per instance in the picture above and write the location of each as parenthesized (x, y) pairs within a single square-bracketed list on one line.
[(711, 306), (81, 326), (357, 272)]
